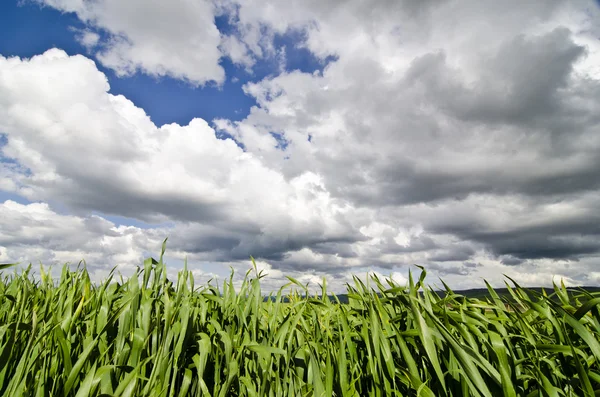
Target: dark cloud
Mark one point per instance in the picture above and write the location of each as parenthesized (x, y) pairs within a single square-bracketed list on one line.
[(541, 246), (112, 199), (516, 245), (551, 235), (522, 101), (227, 243), (472, 265), (454, 254), (523, 84), (511, 260)]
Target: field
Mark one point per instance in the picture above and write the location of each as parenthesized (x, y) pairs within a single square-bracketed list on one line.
[(149, 336)]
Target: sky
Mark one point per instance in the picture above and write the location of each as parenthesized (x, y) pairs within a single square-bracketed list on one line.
[(324, 138)]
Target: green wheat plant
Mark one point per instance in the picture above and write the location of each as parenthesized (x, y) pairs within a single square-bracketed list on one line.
[(150, 336)]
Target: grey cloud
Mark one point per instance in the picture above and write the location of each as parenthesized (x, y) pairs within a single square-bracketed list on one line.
[(455, 254), (399, 182), (113, 199), (511, 260), (516, 245), (569, 235), (531, 246), (227, 242), (516, 114), (270, 248), (525, 78), (521, 84), (286, 264), (446, 269), (525, 91), (342, 249), (35, 232)]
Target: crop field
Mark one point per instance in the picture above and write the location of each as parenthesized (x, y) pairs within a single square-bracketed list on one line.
[(149, 336)]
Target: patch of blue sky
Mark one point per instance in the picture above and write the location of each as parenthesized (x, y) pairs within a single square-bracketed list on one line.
[(282, 142), (298, 57), (167, 100), (5, 196), (4, 142), (27, 29)]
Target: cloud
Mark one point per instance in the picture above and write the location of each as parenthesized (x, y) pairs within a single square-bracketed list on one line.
[(410, 139), (36, 232), (122, 164), (236, 51), (87, 38), (178, 39), (519, 226), (477, 123), (459, 136)]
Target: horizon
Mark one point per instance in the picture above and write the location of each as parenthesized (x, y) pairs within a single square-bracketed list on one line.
[(322, 139)]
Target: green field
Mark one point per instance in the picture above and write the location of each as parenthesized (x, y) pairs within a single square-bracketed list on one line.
[(149, 336)]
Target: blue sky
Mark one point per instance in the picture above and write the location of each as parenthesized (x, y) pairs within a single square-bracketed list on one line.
[(324, 140)]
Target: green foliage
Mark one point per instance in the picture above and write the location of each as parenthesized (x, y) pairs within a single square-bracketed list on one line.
[(148, 336)]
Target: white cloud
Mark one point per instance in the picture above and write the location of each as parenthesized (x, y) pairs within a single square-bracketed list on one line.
[(87, 38), (236, 51), (178, 38), (123, 164)]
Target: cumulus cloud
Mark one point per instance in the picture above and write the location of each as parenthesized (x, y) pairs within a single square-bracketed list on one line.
[(122, 164), (178, 39)]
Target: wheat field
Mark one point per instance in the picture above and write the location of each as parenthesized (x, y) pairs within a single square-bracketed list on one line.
[(150, 336)]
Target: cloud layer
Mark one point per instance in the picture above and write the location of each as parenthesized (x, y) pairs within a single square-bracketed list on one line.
[(456, 135)]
